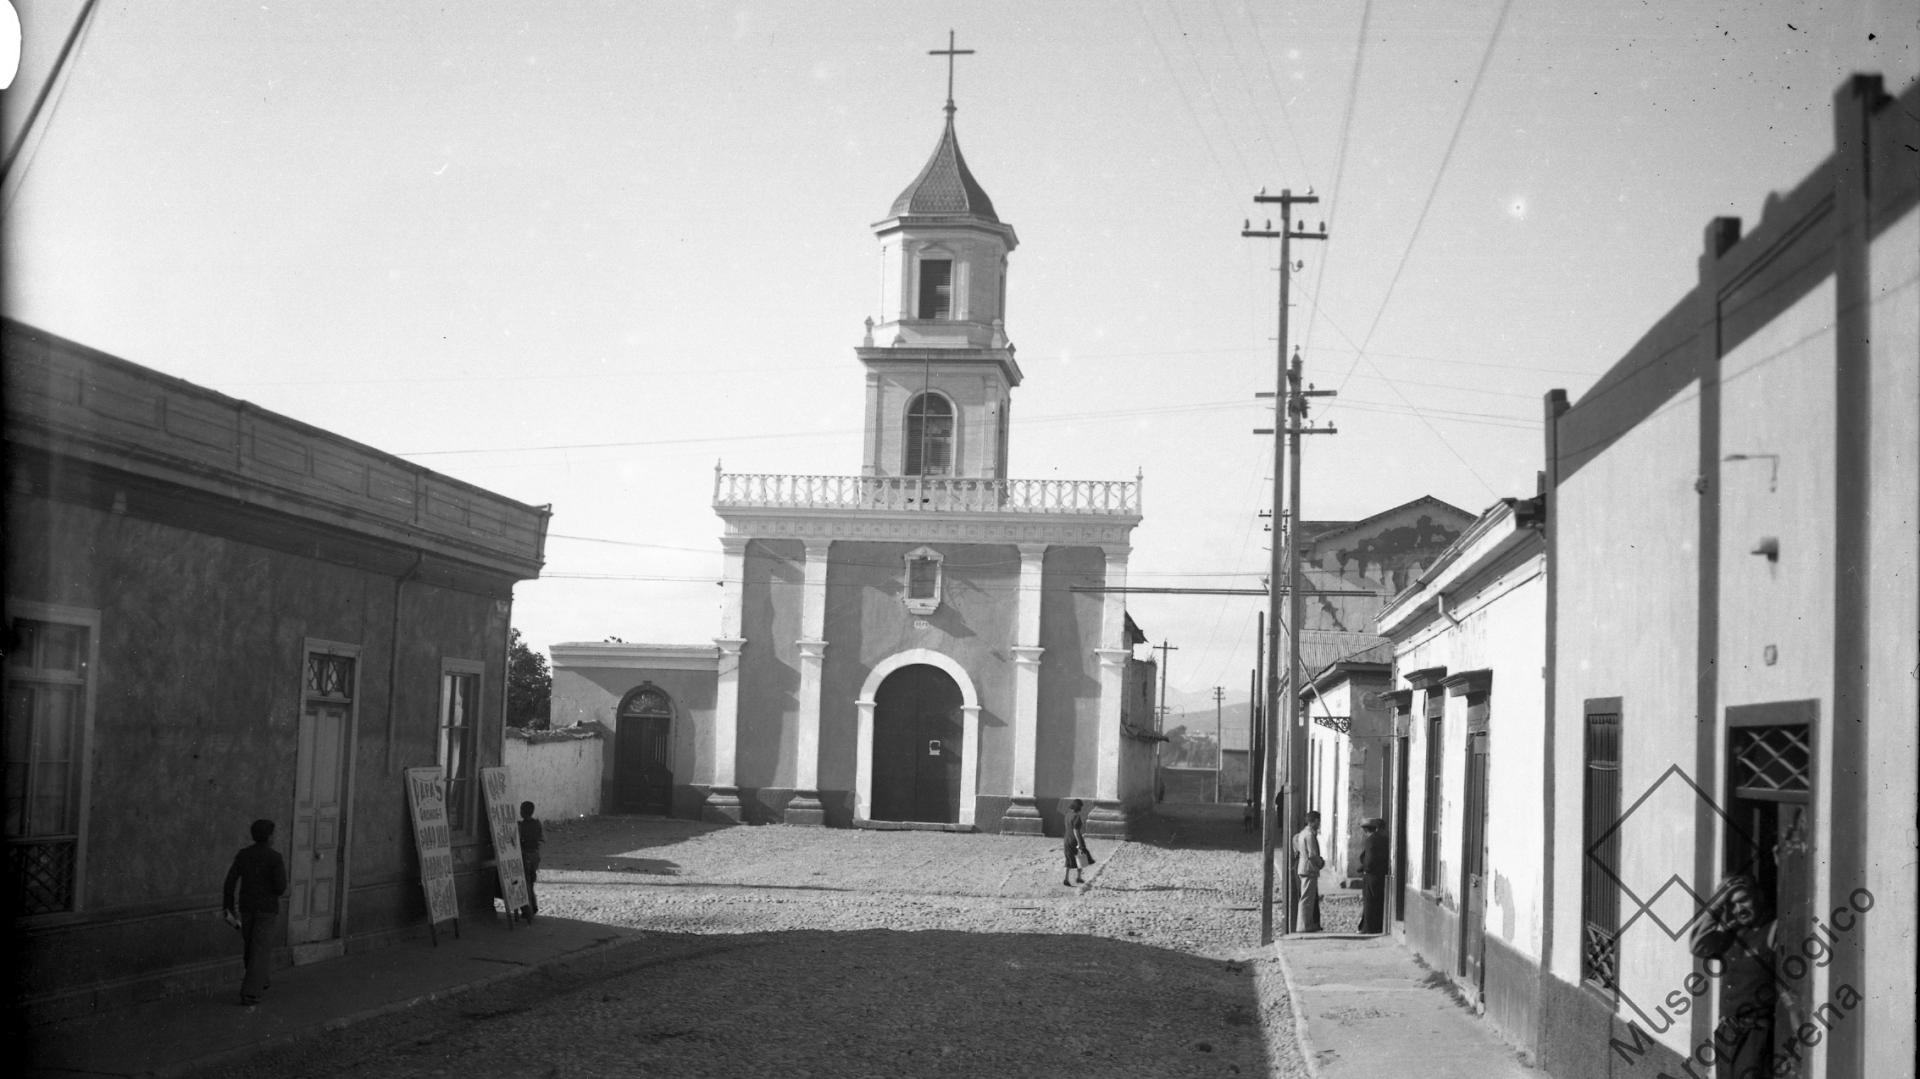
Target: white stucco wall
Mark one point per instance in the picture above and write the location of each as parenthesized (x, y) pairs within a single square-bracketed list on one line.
[(561, 778), (1776, 625), (1627, 531), (1893, 647), (1500, 605)]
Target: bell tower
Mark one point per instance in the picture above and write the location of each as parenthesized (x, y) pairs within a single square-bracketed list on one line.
[(940, 370)]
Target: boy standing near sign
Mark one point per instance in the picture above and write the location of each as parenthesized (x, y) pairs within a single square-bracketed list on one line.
[(530, 837), (261, 875)]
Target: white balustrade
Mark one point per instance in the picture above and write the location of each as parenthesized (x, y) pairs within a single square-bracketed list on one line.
[(930, 494)]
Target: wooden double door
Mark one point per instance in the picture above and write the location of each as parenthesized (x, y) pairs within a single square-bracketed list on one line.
[(917, 733)]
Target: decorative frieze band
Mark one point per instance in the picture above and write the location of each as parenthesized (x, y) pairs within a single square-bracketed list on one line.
[(929, 529)]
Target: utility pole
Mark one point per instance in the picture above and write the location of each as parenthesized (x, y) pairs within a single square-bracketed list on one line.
[(1219, 747), (1283, 571), (1163, 648), (1257, 761), (1253, 734), (1296, 615)]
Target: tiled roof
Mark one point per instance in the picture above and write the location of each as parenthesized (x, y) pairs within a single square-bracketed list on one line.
[(945, 186)]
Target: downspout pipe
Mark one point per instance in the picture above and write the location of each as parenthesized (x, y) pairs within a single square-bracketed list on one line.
[(1440, 601), (393, 649)]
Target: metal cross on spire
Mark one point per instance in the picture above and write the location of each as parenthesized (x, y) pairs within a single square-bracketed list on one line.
[(949, 52)]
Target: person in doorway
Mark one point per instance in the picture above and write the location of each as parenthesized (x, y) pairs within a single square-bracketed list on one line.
[(1074, 843), (1373, 876), (253, 889), (531, 835), (1307, 864), (1738, 931)]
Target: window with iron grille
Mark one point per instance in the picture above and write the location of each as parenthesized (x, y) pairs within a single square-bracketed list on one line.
[(459, 716), (46, 686), (1599, 892), (1436, 764), (936, 288), (929, 436), (1771, 763)]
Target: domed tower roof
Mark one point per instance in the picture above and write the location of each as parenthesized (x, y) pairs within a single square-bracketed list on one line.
[(945, 186)]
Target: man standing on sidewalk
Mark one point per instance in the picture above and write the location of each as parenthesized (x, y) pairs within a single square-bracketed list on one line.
[(1307, 864), (1373, 877)]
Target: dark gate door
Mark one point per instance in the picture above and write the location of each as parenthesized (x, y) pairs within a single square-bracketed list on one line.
[(1473, 862), (1400, 829), (1770, 776), (643, 754), (916, 747)]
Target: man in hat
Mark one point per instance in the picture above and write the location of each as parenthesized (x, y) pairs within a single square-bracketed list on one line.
[(1373, 876), (1307, 864)]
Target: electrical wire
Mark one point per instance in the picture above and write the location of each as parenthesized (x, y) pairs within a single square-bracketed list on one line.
[(1279, 98), (1185, 102), (1433, 189), (1213, 99)]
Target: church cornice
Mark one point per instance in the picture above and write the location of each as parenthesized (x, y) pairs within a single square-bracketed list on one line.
[(937, 223), (914, 358)]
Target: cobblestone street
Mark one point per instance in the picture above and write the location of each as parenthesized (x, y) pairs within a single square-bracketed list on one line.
[(787, 951)]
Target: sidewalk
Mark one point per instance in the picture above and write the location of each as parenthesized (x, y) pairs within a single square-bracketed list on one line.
[(181, 1034), (1364, 1007)]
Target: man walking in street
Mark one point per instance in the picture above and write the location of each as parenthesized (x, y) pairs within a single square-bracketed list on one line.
[(1307, 864), (254, 885), (1373, 876)]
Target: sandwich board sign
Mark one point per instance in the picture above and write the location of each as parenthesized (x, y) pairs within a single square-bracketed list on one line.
[(503, 818), (427, 804)]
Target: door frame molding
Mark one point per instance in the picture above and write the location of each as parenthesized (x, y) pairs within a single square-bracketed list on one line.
[(333, 946), (673, 717), (969, 735)]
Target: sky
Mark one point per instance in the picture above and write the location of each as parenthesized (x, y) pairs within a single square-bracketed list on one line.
[(580, 253)]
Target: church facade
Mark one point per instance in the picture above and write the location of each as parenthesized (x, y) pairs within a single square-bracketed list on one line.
[(928, 642)]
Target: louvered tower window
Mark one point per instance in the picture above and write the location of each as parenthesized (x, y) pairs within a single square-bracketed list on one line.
[(929, 436), (936, 288)]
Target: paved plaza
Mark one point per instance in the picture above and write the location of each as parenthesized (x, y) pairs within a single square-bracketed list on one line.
[(675, 948)]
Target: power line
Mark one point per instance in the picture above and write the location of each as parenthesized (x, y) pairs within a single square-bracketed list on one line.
[(1212, 98), (1279, 99), (1340, 158), (1433, 189), (1181, 89)]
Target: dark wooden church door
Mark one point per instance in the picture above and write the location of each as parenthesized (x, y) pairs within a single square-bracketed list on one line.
[(643, 753), (916, 747)]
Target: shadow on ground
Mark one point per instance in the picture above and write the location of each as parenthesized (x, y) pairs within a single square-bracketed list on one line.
[(876, 1002), (614, 843), (1198, 827)]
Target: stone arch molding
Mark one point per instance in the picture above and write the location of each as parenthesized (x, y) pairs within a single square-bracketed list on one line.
[(969, 735)]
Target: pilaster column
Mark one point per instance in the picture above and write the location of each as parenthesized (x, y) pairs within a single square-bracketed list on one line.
[(805, 807), (1023, 815), (1108, 816), (723, 796)]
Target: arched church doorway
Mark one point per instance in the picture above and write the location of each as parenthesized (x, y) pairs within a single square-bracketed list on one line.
[(918, 729), (643, 752)]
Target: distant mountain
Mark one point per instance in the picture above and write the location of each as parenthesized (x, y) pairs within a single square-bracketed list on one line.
[(1233, 720)]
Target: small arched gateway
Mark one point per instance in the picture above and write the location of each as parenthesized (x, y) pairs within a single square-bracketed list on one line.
[(643, 751)]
